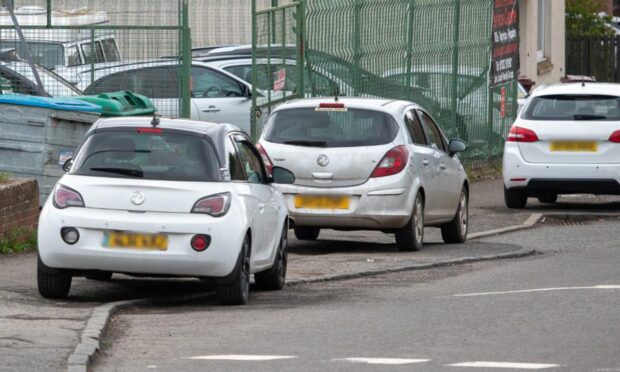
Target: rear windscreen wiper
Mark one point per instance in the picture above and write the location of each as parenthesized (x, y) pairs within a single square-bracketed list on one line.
[(589, 117), (123, 171), (307, 143)]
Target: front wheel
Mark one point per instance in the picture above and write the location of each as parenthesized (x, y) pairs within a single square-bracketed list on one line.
[(455, 231), (236, 290), (411, 236), (52, 283), (274, 278)]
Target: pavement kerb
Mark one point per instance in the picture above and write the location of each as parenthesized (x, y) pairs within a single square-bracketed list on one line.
[(532, 220)]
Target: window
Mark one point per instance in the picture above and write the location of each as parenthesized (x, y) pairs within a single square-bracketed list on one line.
[(73, 56), (543, 29), (433, 134), (567, 107), (415, 128), (110, 49), (251, 163), (234, 166), (110, 83), (92, 52), (48, 55), (207, 83)]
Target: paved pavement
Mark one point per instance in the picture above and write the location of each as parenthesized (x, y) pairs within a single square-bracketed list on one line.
[(38, 334)]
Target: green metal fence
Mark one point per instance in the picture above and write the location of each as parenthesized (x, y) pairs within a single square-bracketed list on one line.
[(434, 52)]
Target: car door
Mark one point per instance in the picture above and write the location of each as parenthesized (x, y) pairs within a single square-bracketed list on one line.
[(219, 98), (447, 168), (422, 159), (262, 199)]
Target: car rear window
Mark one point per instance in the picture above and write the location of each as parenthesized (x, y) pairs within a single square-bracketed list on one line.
[(153, 156), (331, 128), (573, 107)]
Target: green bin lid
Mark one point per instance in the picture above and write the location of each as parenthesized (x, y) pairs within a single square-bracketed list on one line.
[(122, 103)]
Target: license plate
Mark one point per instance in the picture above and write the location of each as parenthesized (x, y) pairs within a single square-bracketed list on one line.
[(574, 146), (158, 242), (321, 202)]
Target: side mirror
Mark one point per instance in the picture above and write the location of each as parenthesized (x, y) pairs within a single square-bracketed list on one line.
[(66, 166), (281, 175), (456, 146)]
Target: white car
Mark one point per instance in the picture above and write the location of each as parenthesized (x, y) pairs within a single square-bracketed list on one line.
[(165, 197), (368, 164), (566, 140)]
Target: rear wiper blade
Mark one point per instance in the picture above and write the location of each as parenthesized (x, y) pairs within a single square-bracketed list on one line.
[(589, 117), (123, 171), (307, 143)]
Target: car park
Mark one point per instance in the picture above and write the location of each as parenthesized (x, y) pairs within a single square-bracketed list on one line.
[(165, 197), (368, 164), (565, 141)]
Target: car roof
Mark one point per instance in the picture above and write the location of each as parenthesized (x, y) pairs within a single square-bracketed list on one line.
[(609, 89), (379, 104)]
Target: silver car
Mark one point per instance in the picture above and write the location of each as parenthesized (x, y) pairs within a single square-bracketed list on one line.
[(368, 164)]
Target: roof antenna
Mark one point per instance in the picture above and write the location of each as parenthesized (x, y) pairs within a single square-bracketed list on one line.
[(155, 121), (583, 80)]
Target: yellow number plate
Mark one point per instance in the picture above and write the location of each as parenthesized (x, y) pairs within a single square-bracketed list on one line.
[(321, 202), (157, 242), (574, 146)]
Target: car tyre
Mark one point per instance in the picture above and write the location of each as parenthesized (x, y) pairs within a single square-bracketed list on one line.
[(102, 276), (411, 236), (274, 278), (52, 283), (455, 231), (515, 198), (236, 290), (307, 233), (548, 198)]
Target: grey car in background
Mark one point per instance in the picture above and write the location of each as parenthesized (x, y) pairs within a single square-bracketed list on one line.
[(368, 164)]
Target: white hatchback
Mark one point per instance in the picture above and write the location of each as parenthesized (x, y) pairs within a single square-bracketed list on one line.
[(566, 140), (165, 197)]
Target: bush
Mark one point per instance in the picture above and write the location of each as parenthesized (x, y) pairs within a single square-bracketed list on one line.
[(583, 19), (18, 240)]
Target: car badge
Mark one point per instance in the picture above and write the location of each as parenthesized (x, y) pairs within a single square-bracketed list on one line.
[(137, 198), (322, 160)]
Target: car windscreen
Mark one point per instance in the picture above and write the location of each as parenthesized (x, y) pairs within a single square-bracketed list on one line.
[(49, 55), (573, 107), (53, 84), (147, 154), (331, 128)]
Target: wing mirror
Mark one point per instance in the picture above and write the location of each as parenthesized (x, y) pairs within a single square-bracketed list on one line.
[(282, 175), (456, 146), (66, 166)]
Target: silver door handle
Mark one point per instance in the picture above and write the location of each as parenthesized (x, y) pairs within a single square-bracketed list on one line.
[(261, 207), (442, 166), (426, 163), (212, 109)]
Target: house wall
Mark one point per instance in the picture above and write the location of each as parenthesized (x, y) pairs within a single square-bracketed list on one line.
[(19, 205)]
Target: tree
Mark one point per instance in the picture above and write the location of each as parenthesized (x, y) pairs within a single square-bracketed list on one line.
[(583, 18)]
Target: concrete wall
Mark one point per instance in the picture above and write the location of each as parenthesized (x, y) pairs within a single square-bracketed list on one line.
[(19, 205)]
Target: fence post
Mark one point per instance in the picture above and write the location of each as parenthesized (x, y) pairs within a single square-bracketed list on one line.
[(254, 110), (356, 47), (455, 60), (301, 45), (409, 49), (186, 59), (49, 13)]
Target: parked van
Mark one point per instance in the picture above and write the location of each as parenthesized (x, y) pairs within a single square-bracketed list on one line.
[(54, 48)]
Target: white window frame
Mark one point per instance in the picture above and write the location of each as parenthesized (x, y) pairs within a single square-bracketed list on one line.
[(542, 30)]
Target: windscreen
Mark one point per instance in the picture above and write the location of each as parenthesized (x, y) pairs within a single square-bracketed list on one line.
[(331, 128), (152, 156), (46, 54), (573, 107)]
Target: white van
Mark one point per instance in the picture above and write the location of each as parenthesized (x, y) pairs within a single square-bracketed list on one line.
[(54, 48)]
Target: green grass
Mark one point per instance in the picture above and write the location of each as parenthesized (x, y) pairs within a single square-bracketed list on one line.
[(4, 177), (18, 240)]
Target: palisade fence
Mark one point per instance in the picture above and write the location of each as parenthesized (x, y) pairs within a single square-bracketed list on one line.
[(594, 56), (434, 52)]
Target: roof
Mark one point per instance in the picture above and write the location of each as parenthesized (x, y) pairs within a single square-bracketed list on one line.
[(379, 104), (578, 88)]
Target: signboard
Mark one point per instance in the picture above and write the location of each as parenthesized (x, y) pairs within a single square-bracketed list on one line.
[(279, 79), (505, 42)]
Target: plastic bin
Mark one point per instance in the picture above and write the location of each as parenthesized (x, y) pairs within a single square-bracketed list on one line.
[(38, 134), (122, 103)]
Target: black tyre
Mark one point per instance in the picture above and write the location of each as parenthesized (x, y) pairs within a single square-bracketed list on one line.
[(307, 233), (515, 198), (52, 283), (274, 278), (411, 236), (102, 276), (456, 230), (548, 198), (235, 290)]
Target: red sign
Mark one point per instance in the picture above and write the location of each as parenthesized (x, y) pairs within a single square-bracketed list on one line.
[(502, 102), (279, 79)]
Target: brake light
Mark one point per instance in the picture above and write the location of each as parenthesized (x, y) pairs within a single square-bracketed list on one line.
[(266, 160), (518, 134), (615, 137), (150, 130), (65, 197), (392, 163), (215, 205), (334, 105)]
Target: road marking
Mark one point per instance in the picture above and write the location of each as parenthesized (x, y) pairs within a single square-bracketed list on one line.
[(504, 365), (244, 358), (536, 290), (393, 361)]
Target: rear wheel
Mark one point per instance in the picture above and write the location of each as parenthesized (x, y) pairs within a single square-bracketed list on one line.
[(455, 231), (236, 290), (52, 283), (274, 278), (411, 236), (548, 198), (515, 198), (307, 233)]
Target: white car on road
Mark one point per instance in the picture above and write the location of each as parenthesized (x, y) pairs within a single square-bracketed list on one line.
[(566, 140), (165, 197), (368, 164)]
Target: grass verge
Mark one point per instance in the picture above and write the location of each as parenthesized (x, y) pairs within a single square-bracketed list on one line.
[(18, 240)]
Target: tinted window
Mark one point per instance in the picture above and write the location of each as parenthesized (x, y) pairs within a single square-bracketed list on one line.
[(110, 83), (92, 52), (433, 134), (234, 166), (46, 54), (207, 83), (310, 127), (163, 156), (251, 163), (111, 50), (316, 84), (567, 107), (415, 128)]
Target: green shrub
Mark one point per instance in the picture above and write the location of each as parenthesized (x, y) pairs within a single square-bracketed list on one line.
[(18, 240)]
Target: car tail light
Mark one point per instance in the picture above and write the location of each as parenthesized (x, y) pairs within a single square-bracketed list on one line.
[(333, 105), (266, 160), (392, 163), (518, 134), (615, 137), (66, 197), (200, 242), (150, 130), (215, 205)]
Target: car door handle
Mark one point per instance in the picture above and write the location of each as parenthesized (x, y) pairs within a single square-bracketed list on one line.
[(212, 109), (442, 166), (426, 163), (261, 207)]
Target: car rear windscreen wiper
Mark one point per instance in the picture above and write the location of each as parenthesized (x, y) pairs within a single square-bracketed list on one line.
[(123, 171), (307, 143), (589, 117)]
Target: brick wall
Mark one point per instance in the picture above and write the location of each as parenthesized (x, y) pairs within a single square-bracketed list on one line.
[(19, 204)]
